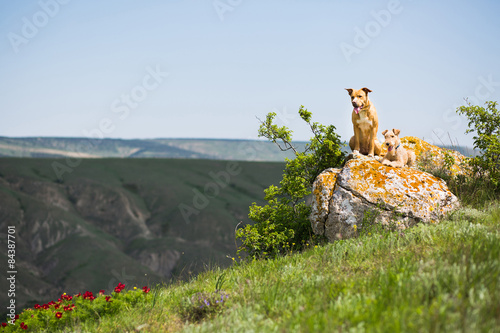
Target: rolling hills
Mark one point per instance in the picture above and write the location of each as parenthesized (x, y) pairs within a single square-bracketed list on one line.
[(220, 149)]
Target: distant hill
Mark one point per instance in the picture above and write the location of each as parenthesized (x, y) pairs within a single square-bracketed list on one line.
[(140, 221), (219, 149)]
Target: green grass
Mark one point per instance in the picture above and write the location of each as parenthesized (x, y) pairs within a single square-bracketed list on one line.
[(431, 278)]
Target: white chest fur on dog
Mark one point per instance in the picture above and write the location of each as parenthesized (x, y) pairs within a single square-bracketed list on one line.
[(364, 123)]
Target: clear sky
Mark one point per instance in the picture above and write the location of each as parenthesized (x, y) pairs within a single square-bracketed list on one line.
[(208, 68)]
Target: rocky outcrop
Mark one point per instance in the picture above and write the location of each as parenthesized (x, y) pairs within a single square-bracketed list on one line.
[(430, 157), (162, 262), (110, 209), (365, 191)]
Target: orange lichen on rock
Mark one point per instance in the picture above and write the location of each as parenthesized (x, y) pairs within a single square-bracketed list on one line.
[(430, 154), (322, 191), (343, 197)]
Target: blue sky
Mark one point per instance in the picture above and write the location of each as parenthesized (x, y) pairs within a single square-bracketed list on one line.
[(208, 68)]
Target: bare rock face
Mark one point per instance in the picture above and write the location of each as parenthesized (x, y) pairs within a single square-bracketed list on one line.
[(366, 191)]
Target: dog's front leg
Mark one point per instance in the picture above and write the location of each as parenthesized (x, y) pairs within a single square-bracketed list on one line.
[(371, 144), (357, 136)]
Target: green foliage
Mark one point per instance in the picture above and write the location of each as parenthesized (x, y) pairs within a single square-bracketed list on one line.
[(282, 225), (484, 122)]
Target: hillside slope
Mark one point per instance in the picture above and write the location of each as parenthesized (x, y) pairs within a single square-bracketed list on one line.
[(431, 278), (128, 220)]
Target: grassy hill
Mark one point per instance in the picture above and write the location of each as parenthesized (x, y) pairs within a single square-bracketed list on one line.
[(220, 149), (432, 278), (141, 221)]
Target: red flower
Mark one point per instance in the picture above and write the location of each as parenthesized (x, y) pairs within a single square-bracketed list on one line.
[(121, 286), (58, 315), (24, 326), (101, 292), (78, 295), (56, 306), (68, 308), (16, 317), (108, 299), (146, 289), (37, 306), (45, 306), (88, 295), (4, 324), (117, 290), (51, 303)]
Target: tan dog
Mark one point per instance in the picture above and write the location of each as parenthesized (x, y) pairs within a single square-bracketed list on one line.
[(365, 123), (397, 156)]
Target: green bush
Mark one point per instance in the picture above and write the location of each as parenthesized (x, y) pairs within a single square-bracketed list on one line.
[(282, 224), (484, 122)]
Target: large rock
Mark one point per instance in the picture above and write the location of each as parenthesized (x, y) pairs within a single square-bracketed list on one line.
[(365, 191), (432, 158)]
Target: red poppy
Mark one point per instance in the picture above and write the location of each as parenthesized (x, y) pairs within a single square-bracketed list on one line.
[(45, 306), (58, 315), (146, 289), (37, 306), (4, 324), (117, 290), (108, 299), (24, 326), (88, 295)]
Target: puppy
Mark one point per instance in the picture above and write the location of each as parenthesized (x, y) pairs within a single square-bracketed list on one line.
[(397, 156), (365, 124)]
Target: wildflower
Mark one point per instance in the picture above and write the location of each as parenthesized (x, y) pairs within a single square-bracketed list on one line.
[(146, 289), (45, 306), (135, 288), (108, 299), (4, 324), (37, 306), (101, 292), (355, 227), (119, 287), (24, 326), (58, 315), (88, 295)]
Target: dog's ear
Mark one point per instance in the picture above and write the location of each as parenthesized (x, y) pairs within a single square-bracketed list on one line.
[(396, 131), (383, 133), (349, 91), (366, 90)]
